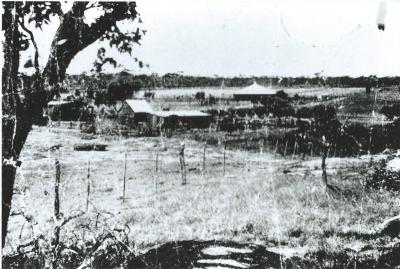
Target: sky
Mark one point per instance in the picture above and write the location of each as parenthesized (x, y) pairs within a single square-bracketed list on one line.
[(254, 38)]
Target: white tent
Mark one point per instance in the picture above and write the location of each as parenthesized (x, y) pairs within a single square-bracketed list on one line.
[(256, 89)]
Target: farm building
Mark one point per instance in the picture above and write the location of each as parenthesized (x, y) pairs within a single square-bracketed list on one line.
[(135, 111), (138, 112), (64, 110), (253, 93), (188, 118)]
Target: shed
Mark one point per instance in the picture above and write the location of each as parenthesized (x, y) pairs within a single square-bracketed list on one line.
[(135, 111), (254, 93), (188, 118)]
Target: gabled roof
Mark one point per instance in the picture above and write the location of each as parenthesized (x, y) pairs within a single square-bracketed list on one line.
[(181, 113), (139, 106), (255, 89)]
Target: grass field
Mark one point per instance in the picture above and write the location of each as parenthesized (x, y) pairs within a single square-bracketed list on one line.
[(261, 198), (228, 92)]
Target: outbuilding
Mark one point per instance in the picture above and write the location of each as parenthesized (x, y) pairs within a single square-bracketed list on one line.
[(135, 111), (185, 118)]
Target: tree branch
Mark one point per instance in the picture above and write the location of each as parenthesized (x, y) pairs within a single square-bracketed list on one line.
[(73, 35), (36, 60)]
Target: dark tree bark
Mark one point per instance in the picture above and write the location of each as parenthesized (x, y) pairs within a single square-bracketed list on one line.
[(11, 110), (72, 36)]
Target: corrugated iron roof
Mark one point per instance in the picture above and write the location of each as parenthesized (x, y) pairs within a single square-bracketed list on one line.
[(255, 89), (57, 103), (181, 113), (139, 106)]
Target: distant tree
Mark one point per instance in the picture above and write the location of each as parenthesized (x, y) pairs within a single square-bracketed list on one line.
[(90, 93), (212, 100), (123, 87), (279, 104), (100, 98), (282, 94), (305, 112), (200, 97), (77, 93)]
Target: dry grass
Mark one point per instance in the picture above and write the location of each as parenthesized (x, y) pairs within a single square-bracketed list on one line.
[(255, 201)]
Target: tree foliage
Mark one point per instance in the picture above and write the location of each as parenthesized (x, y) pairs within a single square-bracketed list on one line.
[(123, 87)]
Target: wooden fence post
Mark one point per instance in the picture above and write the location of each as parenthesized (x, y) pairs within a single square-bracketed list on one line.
[(88, 186), (284, 153), (276, 146), (182, 163), (311, 149), (56, 191), (224, 156), (204, 157), (155, 176), (261, 142), (57, 216), (124, 188), (294, 149), (157, 162), (325, 153)]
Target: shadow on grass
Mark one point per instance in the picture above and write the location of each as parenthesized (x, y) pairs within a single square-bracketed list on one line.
[(215, 254)]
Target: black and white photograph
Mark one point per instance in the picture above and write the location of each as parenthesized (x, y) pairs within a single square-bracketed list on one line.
[(200, 134)]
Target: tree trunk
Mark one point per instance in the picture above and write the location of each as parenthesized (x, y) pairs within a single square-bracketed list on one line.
[(11, 109)]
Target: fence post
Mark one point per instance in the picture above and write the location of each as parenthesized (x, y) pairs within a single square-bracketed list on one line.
[(204, 157), (294, 149), (182, 163), (124, 188), (157, 162), (325, 152), (311, 149), (284, 153), (276, 146), (56, 191), (57, 216), (88, 186), (261, 145), (155, 175), (224, 156)]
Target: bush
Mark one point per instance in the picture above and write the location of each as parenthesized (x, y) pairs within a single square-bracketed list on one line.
[(304, 112), (391, 111), (383, 178)]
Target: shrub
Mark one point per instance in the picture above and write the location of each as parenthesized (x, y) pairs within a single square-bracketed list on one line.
[(391, 111), (384, 178)]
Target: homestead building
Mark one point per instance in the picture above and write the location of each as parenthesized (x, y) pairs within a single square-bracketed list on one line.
[(138, 113)]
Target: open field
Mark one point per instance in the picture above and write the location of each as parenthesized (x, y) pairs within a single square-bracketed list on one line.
[(262, 198), (225, 93), (258, 191)]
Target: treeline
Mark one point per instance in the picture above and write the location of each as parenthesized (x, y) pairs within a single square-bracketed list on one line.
[(174, 80)]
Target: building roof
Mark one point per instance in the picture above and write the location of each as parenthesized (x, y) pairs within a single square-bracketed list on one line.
[(139, 106), (255, 89), (58, 103), (181, 113)]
